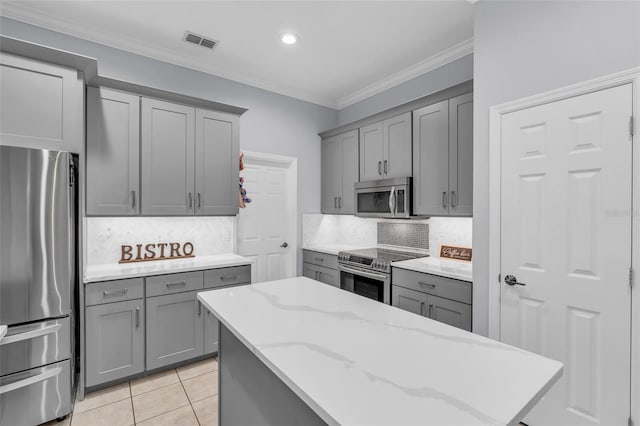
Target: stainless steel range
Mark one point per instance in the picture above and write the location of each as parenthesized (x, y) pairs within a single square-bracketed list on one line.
[(367, 272)]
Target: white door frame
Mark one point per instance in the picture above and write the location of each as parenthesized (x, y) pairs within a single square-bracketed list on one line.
[(495, 150), (290, 165)]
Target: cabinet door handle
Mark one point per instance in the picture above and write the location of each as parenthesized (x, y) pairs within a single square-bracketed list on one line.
[(110, 293), (199, 307), (432, 286), (421, 308), (335, 202), (190, 200), (430, 310), (319, 259), (339, 202), (385, 167), (133, 199), (180, 284), (444, 199), (199, 201), (454, 199), (137, 317), (380, 168)]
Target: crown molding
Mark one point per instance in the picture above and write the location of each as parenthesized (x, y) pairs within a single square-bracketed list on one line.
[(436, 61), (24, 13)]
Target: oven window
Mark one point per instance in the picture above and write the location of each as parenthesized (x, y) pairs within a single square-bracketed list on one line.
[(368, 287), (374, 202)]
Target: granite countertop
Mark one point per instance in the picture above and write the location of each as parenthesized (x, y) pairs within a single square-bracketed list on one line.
[(437, 266), (354, 361), (142, 269)]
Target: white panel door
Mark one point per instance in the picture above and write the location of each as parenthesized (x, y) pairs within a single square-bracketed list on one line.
[(263, 225), (566, 235)]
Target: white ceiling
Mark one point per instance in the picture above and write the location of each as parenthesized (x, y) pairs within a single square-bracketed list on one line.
[(347, 50)]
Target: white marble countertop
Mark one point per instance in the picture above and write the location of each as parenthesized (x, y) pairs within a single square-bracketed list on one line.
[(356, 361), (142, 269), (331, 248), (3, 331), (437, 266)]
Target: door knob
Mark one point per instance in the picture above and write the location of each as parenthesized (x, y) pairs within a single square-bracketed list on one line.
[(512, 280), (284, 245)]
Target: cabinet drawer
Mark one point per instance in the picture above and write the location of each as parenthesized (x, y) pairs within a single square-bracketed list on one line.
[(432, 284), (222, 277), (113, 291), (320, 259), (174, 283)]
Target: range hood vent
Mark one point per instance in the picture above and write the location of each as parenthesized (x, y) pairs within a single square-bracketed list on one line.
[(209, 43)]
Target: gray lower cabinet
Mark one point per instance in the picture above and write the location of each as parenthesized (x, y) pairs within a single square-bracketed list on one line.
[(114, 341), (443, 158), (443, 299), (321, 267), (41, 104), (174, 329), (339, 161), (168, 157), (113, 152)]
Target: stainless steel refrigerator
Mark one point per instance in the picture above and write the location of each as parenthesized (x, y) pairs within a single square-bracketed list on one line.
[(38, 276)]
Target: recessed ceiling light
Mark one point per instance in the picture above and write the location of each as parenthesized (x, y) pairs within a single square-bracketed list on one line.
[(289, 38)]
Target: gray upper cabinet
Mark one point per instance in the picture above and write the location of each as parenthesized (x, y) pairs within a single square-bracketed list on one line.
[(443, 157), (174, 329), (431, 159), (41, 104), (113, 152), (339, 173), (114, 341), (216, 163), (385, 149), (461, 155), (168, 158)]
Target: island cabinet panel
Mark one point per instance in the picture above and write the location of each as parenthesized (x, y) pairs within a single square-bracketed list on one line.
[(113, 152), (385, 149), (443, 158), (168, 158), (41, 104), (114, 341), (216, 163), (339, 162), (174, 329)]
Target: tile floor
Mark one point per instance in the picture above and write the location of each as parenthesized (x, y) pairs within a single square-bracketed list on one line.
[(184, 396)]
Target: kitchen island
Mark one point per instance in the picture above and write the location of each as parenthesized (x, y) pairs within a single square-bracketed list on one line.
[(297, 351)]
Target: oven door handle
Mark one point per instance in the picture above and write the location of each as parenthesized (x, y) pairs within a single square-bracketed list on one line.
[(366, 274)]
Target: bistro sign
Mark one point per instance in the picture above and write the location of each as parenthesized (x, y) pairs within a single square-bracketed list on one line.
[(157, 251)]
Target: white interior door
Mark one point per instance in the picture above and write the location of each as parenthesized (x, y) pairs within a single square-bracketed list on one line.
[(566, 234), (264, 226)]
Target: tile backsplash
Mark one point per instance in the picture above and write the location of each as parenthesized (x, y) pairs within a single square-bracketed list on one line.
[(105, 235), (319, 229)]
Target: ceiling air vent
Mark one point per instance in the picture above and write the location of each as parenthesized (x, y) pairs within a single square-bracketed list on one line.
[(200, 41)]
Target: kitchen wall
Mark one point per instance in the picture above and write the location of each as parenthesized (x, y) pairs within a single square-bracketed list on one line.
[(105, 235), (274, 124), (324, 229), (448, 75), (527, 47)]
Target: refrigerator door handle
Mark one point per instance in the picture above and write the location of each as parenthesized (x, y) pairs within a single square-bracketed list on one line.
[(30, 334), (30, 380)]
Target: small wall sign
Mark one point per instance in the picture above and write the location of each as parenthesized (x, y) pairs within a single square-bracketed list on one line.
[(455, 253), (157, 251)]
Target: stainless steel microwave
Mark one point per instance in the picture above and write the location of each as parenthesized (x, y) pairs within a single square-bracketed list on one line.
[(389, 198)]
